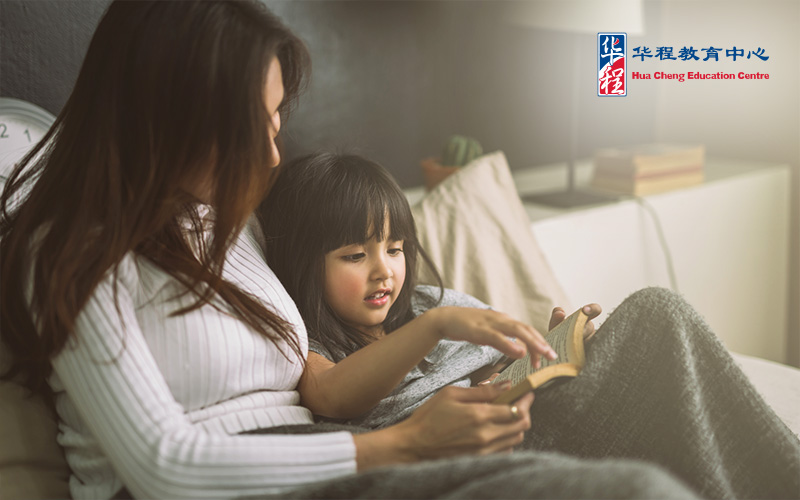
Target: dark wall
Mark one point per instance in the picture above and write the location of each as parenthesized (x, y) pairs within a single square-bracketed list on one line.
[(391, 79), (42, 45)]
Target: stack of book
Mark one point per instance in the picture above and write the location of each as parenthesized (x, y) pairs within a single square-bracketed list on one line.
[(648, 169)]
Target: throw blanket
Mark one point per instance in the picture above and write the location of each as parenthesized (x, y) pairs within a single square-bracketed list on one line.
[(661, 410)]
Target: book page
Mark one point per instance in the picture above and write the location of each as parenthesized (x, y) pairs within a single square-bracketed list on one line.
[(516, 371), (560, 339)]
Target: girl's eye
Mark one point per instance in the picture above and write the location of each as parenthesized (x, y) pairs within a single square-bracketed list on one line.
[(353, 257), (395, 251)]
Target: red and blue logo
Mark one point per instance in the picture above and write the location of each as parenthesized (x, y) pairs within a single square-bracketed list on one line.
[(612, 64)]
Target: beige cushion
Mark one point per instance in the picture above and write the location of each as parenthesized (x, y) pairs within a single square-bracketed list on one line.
[(32, 464), (476, 231)]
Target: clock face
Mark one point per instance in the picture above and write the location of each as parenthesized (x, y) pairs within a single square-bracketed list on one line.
[(22, 125)]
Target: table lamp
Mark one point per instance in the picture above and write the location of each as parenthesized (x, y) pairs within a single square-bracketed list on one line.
[(578, 17)]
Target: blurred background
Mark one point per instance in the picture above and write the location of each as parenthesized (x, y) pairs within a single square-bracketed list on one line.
[(393, 79)]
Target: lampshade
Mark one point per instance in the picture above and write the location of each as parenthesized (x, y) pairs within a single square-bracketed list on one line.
[(578, 16)]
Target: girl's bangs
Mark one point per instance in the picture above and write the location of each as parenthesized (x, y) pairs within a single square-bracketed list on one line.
[(358, 218)]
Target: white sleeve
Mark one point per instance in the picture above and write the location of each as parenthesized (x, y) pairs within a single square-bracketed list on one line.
[(113, 380)]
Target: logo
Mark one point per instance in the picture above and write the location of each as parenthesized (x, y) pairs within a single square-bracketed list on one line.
[(612, 64)]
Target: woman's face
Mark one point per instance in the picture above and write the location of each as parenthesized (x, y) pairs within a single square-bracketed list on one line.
[(362, 281), (273, 97)]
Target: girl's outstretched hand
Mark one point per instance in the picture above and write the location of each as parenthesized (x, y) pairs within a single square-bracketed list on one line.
[(493, 328), (456, 421), (591, 310)]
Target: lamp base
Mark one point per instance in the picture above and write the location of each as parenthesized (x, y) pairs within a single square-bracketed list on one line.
[(569, 199)]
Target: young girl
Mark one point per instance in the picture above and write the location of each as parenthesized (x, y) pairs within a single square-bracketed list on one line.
[(342, 240), (657, 385)]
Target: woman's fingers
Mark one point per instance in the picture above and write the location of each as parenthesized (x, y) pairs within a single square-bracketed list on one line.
[(498, 428), (524, 403), (556, 317), (588, 330), (592, 311), (510, 424), (481, 394), (460, 421), (489, 380)]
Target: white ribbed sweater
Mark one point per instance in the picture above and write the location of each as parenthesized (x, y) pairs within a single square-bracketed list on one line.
[(156, 402)]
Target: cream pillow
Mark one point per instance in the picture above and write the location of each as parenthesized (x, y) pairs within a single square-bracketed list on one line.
[(476, 231)]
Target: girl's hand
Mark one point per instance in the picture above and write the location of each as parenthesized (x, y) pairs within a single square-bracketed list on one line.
[(591, 310), (496, 329), (456, 421)]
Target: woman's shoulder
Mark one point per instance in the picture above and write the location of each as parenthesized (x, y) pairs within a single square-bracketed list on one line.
[(129, 274), (427, 297)]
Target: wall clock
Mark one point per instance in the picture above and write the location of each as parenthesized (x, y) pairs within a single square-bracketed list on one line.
[(22, 125)]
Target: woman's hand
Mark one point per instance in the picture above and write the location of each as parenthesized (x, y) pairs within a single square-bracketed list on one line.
[(490, 379), (456, 421), (591, 310), (493, 328)]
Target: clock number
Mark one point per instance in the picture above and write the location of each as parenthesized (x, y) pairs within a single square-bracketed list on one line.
[(4, 129)]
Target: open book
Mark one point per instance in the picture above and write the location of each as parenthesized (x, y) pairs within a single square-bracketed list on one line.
[(567, 340)]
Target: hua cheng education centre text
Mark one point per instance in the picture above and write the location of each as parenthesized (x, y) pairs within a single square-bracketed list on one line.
[(696, 75)]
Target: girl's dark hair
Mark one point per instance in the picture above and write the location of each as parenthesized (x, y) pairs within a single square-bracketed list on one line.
[(323, 202), (169, 94)]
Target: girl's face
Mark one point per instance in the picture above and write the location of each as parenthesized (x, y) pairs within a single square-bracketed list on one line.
[(362, 281)]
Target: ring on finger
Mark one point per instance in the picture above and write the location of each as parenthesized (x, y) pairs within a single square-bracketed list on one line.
[(515, 413)]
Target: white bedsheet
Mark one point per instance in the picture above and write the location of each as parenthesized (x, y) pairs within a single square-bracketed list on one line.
[(779, 384)]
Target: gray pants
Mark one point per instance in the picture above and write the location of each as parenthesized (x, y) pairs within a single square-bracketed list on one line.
[(661, 410)]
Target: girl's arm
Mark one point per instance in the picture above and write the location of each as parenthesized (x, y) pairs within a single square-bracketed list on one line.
[(352, 386)]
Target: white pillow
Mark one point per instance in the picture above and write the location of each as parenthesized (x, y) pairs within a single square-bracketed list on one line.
[(476, 231)]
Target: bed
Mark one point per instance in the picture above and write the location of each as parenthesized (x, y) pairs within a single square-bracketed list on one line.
[(476, 215)]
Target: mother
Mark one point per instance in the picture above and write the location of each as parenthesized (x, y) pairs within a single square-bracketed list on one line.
[(133, 291)]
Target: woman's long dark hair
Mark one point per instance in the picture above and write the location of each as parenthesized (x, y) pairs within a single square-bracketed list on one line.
[(169, 94), (323, 202)]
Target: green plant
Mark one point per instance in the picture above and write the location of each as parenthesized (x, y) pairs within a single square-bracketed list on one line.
[(460, 150)]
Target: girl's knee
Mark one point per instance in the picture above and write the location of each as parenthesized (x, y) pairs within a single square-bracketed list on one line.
[(655, 296), (655, 311), (656, 305)]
